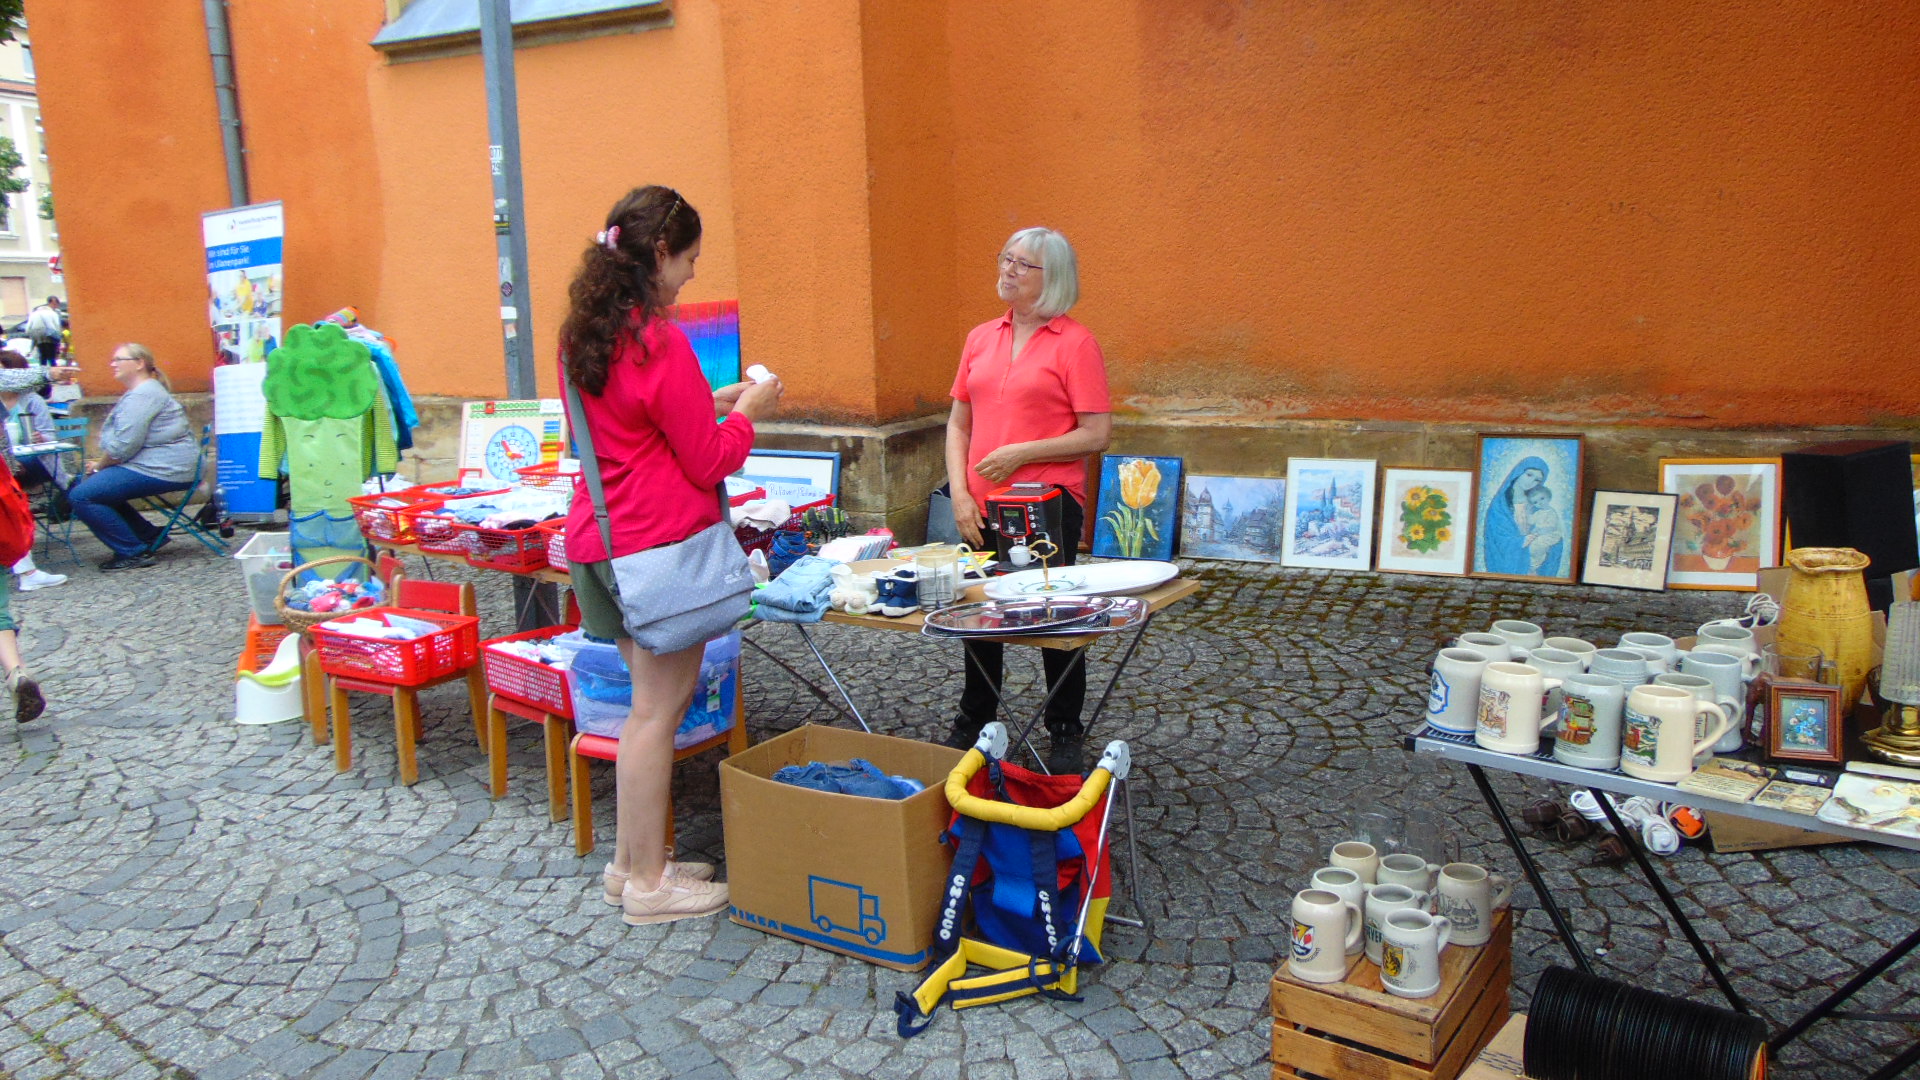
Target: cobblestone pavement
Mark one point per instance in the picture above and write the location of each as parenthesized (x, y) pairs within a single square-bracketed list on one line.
[(180, 896)]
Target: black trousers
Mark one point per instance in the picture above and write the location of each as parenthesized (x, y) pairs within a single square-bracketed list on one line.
[(978, 701)]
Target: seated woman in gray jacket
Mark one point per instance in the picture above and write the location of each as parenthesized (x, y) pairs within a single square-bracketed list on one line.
[(146, 448)]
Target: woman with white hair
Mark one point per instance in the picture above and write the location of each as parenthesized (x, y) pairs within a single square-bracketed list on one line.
[(1029, 405)]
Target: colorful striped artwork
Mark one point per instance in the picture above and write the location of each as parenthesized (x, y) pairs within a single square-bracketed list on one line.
[(713, 328)]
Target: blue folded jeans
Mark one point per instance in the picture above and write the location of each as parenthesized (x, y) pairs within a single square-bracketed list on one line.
[(857, 777)]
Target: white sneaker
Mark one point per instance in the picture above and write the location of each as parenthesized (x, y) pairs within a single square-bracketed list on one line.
[(40, 579)]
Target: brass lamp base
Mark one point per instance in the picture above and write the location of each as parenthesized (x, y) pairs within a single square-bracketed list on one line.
[(1897, 739)]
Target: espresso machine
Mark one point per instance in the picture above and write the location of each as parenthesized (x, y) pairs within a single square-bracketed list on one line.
[(1021, 514)]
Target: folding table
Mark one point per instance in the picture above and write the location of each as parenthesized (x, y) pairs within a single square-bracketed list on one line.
[(1542, 765), (1156, 599)]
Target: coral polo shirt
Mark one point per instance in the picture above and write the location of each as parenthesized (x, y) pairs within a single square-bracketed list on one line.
[(1060, 373)]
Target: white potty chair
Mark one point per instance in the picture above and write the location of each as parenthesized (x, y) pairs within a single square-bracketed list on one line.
[(273, 695)]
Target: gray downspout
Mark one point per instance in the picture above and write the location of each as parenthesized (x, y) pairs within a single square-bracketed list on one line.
[(220, 47)]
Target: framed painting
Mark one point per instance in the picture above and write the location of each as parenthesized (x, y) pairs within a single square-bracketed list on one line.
[(1728, 525), (1629, 539), (1525, 523), (1139, 507), (794, 476), (1425, 520), (1805, 722), (1329, 514), (1233, 517)]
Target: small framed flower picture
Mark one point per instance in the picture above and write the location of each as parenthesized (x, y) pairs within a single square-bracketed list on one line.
[(1727, 528), (1426, 517), (1629, 537), (1805, 722)]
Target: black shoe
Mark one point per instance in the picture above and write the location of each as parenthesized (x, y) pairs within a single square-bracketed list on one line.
[(128, 562), (1067, 754), (153, 546), (964, 733)]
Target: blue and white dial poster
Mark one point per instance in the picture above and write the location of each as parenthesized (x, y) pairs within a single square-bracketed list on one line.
[(499, 438), (244, 291)]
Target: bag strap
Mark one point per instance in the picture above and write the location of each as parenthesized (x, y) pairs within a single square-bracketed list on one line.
[(590, 461)]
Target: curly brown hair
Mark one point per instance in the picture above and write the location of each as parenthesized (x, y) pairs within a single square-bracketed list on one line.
[(617, 280)]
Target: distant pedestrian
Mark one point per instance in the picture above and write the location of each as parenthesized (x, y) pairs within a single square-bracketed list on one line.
[(43, 329)]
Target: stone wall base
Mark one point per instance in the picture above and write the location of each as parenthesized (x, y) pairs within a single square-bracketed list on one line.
[(887, 471)]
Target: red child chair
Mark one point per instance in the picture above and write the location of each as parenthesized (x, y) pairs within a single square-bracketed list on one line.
[(438, 596), (601, 748), (544, 702)]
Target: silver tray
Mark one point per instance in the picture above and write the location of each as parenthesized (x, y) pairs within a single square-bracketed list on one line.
[(1126, 611), (1001, 617)]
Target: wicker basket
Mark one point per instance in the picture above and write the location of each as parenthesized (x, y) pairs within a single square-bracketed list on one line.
[(302, 621)]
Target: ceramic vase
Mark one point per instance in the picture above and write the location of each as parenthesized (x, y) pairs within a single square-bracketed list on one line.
[(1826, 607)]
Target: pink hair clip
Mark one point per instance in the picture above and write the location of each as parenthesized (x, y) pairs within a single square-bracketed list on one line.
[(608, 238)]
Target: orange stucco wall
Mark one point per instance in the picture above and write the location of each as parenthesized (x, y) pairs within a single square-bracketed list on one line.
[(1620, 212)]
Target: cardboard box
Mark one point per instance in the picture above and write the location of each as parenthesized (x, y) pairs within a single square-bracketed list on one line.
[(1730, 833), (855, 875)]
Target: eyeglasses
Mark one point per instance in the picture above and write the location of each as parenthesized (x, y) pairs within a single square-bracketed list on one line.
[(1020, 267)]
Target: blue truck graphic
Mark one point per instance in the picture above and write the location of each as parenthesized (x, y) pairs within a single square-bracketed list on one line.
[(848, 909)]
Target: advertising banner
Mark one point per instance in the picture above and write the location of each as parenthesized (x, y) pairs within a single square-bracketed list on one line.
[(244, 290)]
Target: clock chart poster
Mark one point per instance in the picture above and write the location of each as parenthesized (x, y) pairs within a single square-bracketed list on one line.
[(501, 437)]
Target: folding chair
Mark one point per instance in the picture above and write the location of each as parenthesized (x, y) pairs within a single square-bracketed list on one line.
[(53, 516), (441, 596), (174, 506)]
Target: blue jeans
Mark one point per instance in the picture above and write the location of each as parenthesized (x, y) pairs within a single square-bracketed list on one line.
[(101, 500)]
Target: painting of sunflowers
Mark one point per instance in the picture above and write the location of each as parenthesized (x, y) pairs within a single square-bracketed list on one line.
[(1139, 511), (1727, 526), (1425, 518)]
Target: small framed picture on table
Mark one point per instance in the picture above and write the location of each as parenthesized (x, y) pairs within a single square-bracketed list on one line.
[(1805, 722)]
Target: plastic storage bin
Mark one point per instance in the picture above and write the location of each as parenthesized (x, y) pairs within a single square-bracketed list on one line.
[(264, 560), (603, 692)]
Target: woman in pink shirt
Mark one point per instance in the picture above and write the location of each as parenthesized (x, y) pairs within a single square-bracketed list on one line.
[(1029, 404), (660, 454)]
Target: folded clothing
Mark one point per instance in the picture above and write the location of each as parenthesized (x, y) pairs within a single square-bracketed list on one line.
[(395, 628), (799, 594), (855, 777)]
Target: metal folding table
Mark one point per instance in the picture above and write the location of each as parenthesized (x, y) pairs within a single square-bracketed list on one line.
[(1477, 759), (1156, 599)]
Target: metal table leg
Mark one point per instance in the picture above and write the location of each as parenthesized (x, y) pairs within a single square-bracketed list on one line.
[(1632, 844), (1867, 974), (1531, 871), (828, 668)]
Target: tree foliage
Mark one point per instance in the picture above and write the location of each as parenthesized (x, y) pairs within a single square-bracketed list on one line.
[(12, 14)]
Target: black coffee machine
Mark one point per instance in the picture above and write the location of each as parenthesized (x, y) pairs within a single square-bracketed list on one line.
[(1018, 515)]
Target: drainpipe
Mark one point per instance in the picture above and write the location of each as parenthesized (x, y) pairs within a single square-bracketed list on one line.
[(220, 47)]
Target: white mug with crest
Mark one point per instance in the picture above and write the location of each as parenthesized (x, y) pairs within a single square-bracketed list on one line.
[(1453, 694), (1657, 734), (1469, 896), (1512, 708), (1344, 884), (1383, 900), (1325, 929), (1410, 948)]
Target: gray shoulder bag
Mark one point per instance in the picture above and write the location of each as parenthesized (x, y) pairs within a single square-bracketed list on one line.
[(675, 596)]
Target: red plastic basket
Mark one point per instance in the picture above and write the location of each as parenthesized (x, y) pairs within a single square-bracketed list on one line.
[(454, 647), (548, 476), (556, 544), (516, 551), (435, 531), (263, 640), (529, 682), (381, 518), (752, 540)]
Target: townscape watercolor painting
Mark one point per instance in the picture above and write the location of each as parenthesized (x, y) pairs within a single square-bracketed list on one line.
[(1329, 519), (1234, 517)]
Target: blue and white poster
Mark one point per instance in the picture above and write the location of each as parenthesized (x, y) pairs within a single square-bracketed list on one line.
[(244, 291)]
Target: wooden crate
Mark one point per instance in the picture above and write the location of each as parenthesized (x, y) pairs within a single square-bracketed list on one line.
[(1502, 1058), (1355, 1030)]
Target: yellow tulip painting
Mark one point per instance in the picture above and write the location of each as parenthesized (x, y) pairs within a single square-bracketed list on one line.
[(1138, 498)]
